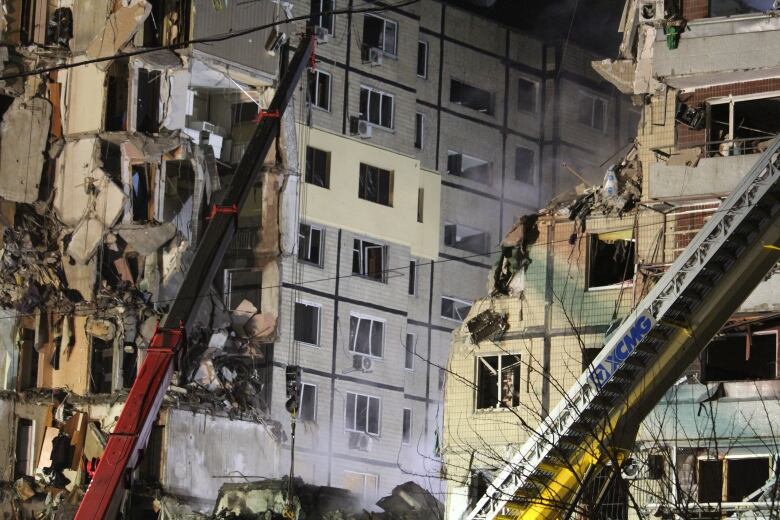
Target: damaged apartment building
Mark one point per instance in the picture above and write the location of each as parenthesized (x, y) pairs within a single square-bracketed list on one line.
[(705, 79)]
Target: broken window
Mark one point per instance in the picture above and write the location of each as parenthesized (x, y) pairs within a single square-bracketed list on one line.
[(732, 7), (368, 260), (409, 351), (380, 33), (527, 92), (419, 120), (148, 101), (478, 485), (319, 89), (412, 277), (525, 165), (376, 185), (422, 59), (454, 309), (168, 23), (142, 179), (406, 427), (310, 244), (420, 204), (466, 238), (592, 112), (33, 22), (471, 97), (366, 336), (240, 285), (362, 413), (376, 107), (498, 381), (610, 259), (736, 126), (117, 84), (25, 448), (321, 14), (101, 366), (308, 408), (179, 189), (731, 479), (307, 323), (363, 485), (317, 167), (129, 364), (739, 357), (468, 167), (242, 113)]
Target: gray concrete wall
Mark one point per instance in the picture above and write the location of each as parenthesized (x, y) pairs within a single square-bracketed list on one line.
[(712, 176)]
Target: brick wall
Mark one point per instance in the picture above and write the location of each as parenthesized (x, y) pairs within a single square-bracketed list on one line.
[(694, 9)]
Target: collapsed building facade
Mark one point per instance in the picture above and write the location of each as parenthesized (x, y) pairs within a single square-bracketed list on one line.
[(569, 275)]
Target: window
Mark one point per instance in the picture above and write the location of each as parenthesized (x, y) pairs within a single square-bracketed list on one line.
[(310, 244), (317, 167), (410, 347), (376, 185), (366, 336), (741, 476), (380, 33), (243, 112), (422, 59), (412, 277), (362, 414), (141, 192), (610, 259), (454, 309), (478, 486), (362, 484), (498, 381), (368, 260), (527, 92), (376, 107), (319, 89), (593, 112), (468, 167), (25, 448), (321, 14), (729, 8), (420, 204), (525, 166), (735, 357), (307, 323), (308, 409), (240, 285), (737, 124), (419, 121), (471, 97), (406, 427), (147, 114), (466, 238)]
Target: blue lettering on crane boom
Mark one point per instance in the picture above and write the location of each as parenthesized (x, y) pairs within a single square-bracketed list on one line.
[(603, 372)]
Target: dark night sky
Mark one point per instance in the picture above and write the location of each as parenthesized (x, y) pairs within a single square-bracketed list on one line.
[(595, 21)]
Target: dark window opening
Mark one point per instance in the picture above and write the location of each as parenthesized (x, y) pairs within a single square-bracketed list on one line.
[(409, 351), (525, 165), (754, 121), (420, 204), (379, 33), (478, 486), (319, 89), (468, 167), (745, 476), (307, 323), (732, 7), (610, 261), (419, 119), (406, 427), (28, 361), (179, 188), (412, 277), (454, 309), (376, 107), (734, 358), (376, 185), (308, 408), (466, 239), (471, 97), (24, 448), (366, 336), (148, 103), (368, 260), (593, 112), (101, 366), (117, 84), (362, 413), (422, 59), (321, 14), (588, 355), (168, 23), (242, 113), (526, 95), (240, 285), (129, 364), (111, 157), (606, 496), (498, 381), (141, 192), (310, 244), (317, 167)]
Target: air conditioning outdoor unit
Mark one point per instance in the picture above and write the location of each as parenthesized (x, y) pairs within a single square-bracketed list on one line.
[(322, 34), (361, 362), (375, 56), (365, 130), (360, 441), (650, 11), (631, 470)]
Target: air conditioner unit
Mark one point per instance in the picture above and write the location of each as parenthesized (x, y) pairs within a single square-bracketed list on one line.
[(274, 41), (650, 11), (365, 130), (322, 34), (375, 56), (361, 362), (360, 441), (631, 470)]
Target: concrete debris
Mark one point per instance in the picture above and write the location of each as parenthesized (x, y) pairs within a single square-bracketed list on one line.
[(24, 133), (218, 339), (101, 328), (118, 31), (85, 240), (487, 325), (409, 501), (514, 259), (147, 239)]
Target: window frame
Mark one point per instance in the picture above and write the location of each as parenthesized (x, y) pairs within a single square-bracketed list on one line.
[(314, 402), (628, 282), (314, 103), (308, 241), (424, 44), (366, 476), (412, 286), (533, 168), (317, 306), (485, 234), (409, 355), (227, 285), (489, 111), (406, 427), (366, 170), (497, 406), (368, 409), (317, 18), (306, 176), (593, 98), (487, 181), (382, 94), (384, 32), (536, 91), (353, 341), (419, 128), (458, 300), (363, 259)]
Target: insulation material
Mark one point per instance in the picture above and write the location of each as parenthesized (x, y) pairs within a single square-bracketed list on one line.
[(146, 240), (24, 133), (85, 240), (175, 104), (118, 31), (289, 216), (84, 91)]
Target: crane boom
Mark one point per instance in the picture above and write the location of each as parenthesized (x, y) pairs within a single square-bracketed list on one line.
[(125, 444), (601, 413)]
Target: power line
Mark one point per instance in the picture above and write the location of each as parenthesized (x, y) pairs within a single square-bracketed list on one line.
[(205, 39)]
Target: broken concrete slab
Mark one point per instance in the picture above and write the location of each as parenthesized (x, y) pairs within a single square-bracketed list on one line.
[(260, 326), (147, 239), (242, 314), (81, 278), (85, 240), (118, 31), (73, 168), (175, 106), (144, 148), (23, 133), (109, 199), (161, 59), (83, 91)]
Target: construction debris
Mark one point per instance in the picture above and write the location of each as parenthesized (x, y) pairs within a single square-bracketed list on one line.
[(487, 325)]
